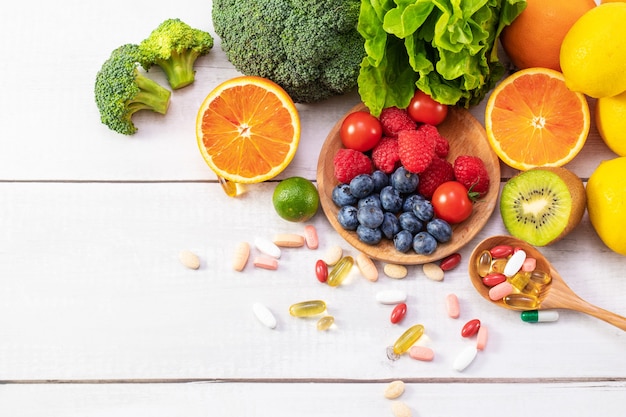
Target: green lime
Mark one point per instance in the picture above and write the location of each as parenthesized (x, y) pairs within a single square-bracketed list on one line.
[(296, 199)]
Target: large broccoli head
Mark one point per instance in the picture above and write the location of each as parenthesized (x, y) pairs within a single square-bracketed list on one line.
[(311, 48)]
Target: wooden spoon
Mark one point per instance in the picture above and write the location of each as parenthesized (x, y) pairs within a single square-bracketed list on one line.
[(558, 295)]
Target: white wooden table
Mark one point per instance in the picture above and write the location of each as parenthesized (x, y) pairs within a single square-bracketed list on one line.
[(98, 317)]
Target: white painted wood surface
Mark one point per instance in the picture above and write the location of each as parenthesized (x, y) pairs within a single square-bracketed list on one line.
[(98, 318)]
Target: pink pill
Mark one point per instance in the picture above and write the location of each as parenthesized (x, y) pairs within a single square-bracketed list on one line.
[(310, 236), (266, 262), (500, 291), (421, 353), (481, 338), (529, 264), (452, 306)]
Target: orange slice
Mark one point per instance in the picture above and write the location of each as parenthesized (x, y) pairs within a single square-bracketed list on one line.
[(248, 129), (532, 119)]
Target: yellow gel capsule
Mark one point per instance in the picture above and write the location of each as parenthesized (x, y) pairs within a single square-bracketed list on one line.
[(325, 322), (408, 339), (520, 280), (498, 265), (340, 271), (483, 263), (307, 308), (540, 277), (521, 301)]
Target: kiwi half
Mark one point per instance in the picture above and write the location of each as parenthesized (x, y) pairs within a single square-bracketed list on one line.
[(542, 205)]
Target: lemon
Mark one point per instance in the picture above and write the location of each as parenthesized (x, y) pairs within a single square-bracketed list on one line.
[(296, 199), (610, 118), (606, 203), (593, 54)]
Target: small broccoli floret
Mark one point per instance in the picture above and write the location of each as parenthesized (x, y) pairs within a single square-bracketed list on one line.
[(175, 46), (121, 90), (311, 48)]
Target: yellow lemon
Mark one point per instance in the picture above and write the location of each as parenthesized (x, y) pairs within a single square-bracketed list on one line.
[(610, 118), (606, 203), (593, 54)]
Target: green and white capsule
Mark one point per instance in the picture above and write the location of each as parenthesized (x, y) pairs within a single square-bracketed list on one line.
[(539, 316)]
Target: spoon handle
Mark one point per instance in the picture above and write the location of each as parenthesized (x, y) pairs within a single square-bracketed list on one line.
[(607, 316)]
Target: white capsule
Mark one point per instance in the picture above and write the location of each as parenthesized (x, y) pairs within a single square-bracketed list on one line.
[(267, 247), (514, 264), (391, 296), (264, 315), (465, 358)]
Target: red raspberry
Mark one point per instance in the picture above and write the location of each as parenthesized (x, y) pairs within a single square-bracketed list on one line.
[(394, 120), (438, 172), (385, 155), (416, 149), (472, 173), (349, 163), (442, 147)]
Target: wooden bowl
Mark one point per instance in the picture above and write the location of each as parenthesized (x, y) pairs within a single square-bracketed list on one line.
[(466, 136)]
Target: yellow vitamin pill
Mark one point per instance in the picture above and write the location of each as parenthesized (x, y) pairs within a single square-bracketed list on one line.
[(367, 267), (189, 259), (325, 322), (333, 255), (395, 271), (240, 258), (307, 308), (433, 271), (289, 240)]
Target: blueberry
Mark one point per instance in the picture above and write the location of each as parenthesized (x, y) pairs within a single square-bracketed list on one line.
[(347, 217), (362, 185), (369, 216), (440, 229), (371, 236), (424, 243), (409, 222), (370, 200), (391, 199), (403, 240), (390, 225), (423, 210), (404, 181), (381, 180), (409, 201), (342, 196)]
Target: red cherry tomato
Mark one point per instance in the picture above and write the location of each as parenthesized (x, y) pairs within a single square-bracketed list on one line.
[(451, 202), (360, 131), (424, 109)]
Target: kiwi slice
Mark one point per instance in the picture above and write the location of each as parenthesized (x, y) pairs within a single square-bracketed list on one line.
[(542, 205)]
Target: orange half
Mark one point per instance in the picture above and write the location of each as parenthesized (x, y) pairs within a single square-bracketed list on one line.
[(248, 129), (532, 119)]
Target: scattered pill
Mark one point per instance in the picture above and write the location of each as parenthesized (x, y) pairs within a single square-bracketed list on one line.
[(514, 263), (391, 296), (324, 323), (465, 358), (450, 262), (421, 353), (367, 267), (240, 258), (498, 292), (529, 264), (424, 340), (307, 308), (394, 389), (493, 278), (433, 271), (400, 409), (452, 306), (288, 240), (267, 247), (501, 251), (470, 328), (481, 337), (395, 271), (408, 339), (264, 315), (340, 271), (539, 316), (189, 259), (310, 236), (266, 262), (333, 255), (398, 313), (321, 271)]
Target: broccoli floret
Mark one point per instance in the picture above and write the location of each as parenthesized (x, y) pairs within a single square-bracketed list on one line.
[(175, 46), (121, 90), (311, 48)]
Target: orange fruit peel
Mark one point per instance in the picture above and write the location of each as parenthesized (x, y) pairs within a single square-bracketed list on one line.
[(532, 119), (248, 129)]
